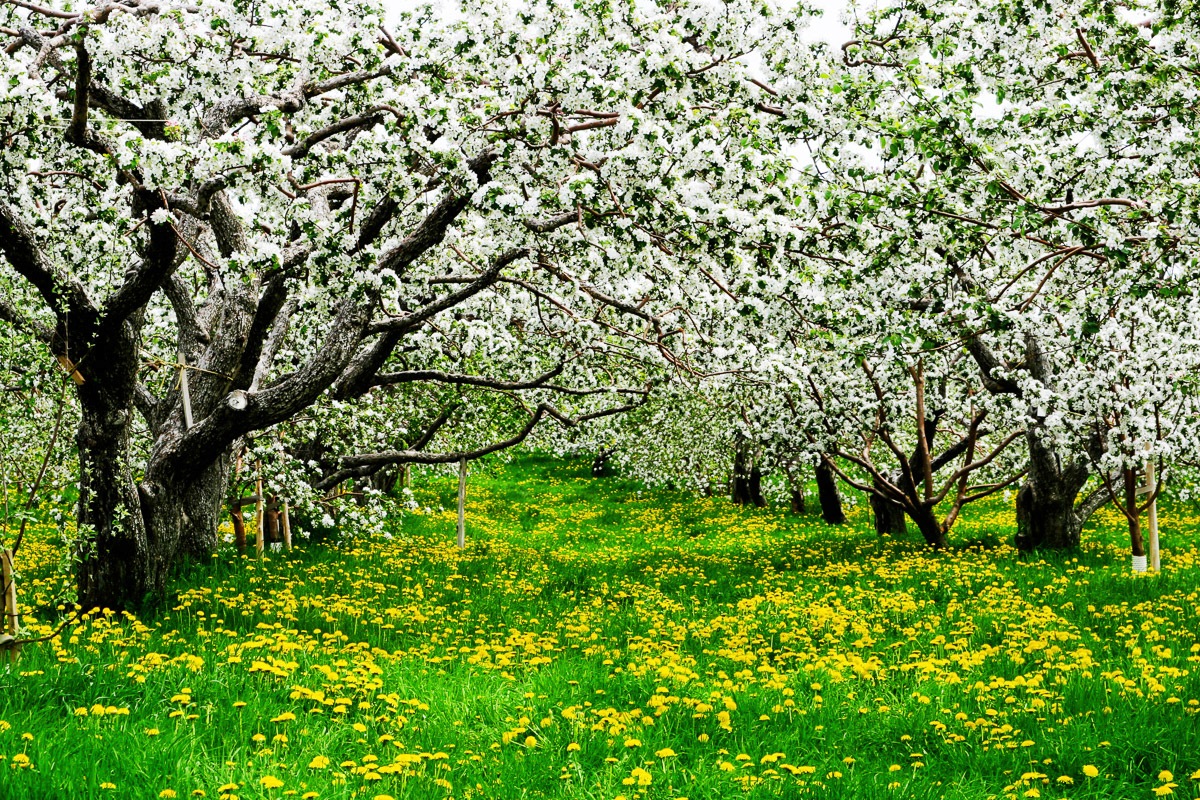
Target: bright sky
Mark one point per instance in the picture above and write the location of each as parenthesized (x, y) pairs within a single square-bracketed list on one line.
[(828, 28)]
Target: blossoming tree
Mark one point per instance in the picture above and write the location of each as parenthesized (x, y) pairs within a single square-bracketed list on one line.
[(220, 215)]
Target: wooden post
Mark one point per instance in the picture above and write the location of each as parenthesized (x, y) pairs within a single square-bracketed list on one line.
[(462, 499), (287, 527), (1155, 562), (183, 391), (239, 525), (10, 592), (258, 513)]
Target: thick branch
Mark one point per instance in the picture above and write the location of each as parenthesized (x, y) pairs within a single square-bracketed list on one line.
[(243, 412), (455, 379), (10, 314), (414, 320), (368, 120), (62, 294)]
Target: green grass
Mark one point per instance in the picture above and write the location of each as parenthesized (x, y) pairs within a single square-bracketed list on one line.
[(581, 608)]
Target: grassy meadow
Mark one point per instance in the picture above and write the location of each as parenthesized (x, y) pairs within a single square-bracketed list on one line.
[(596, 640)]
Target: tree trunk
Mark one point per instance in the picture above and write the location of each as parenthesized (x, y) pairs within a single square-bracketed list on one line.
[(797, 497), (828, 496), (930, 528), (747, 477), (1135, 519), (135, 532), (203, 501), (113, 545), (1046, 515), (600, 464), (889, 516), (1046, 501), (239, 527)]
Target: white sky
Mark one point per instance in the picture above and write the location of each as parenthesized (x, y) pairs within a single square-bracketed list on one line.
[(827, 28)]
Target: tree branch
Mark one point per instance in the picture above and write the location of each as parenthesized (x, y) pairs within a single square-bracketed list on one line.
[(62, 294), (454, 379), (412, 321)]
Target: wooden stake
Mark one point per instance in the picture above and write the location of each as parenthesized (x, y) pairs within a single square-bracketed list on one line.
[(462, 499), (71, 370), (1155, 561), (239, 526), (287, 527), (183, 391), (10, 592), (258, 513)]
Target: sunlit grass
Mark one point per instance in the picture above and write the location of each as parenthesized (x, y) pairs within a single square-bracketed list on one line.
[(597, 641)]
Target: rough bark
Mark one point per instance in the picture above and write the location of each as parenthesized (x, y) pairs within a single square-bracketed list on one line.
[(1046, 515), (889, 517), (828, 496), (929, 527), (1046, 512), (113, 547)]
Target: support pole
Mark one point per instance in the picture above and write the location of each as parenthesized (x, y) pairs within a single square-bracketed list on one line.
[(239, 526), (258, 513), (1152, 513), (287, 527), (462, 500), (183, 391), (10, 592)]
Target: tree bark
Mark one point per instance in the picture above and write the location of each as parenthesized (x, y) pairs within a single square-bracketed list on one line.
[(1046, 512), (889, 516), (114, 548), (927, 523), (600, 464), (828, 496), (747, 476), (1131, 509)]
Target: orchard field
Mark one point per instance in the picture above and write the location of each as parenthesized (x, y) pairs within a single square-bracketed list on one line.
[(598, 640)]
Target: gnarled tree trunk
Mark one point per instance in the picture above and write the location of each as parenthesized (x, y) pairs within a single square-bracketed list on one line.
[(889, 517)]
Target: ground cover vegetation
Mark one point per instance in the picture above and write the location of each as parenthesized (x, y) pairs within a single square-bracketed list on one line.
[(597, 639)]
